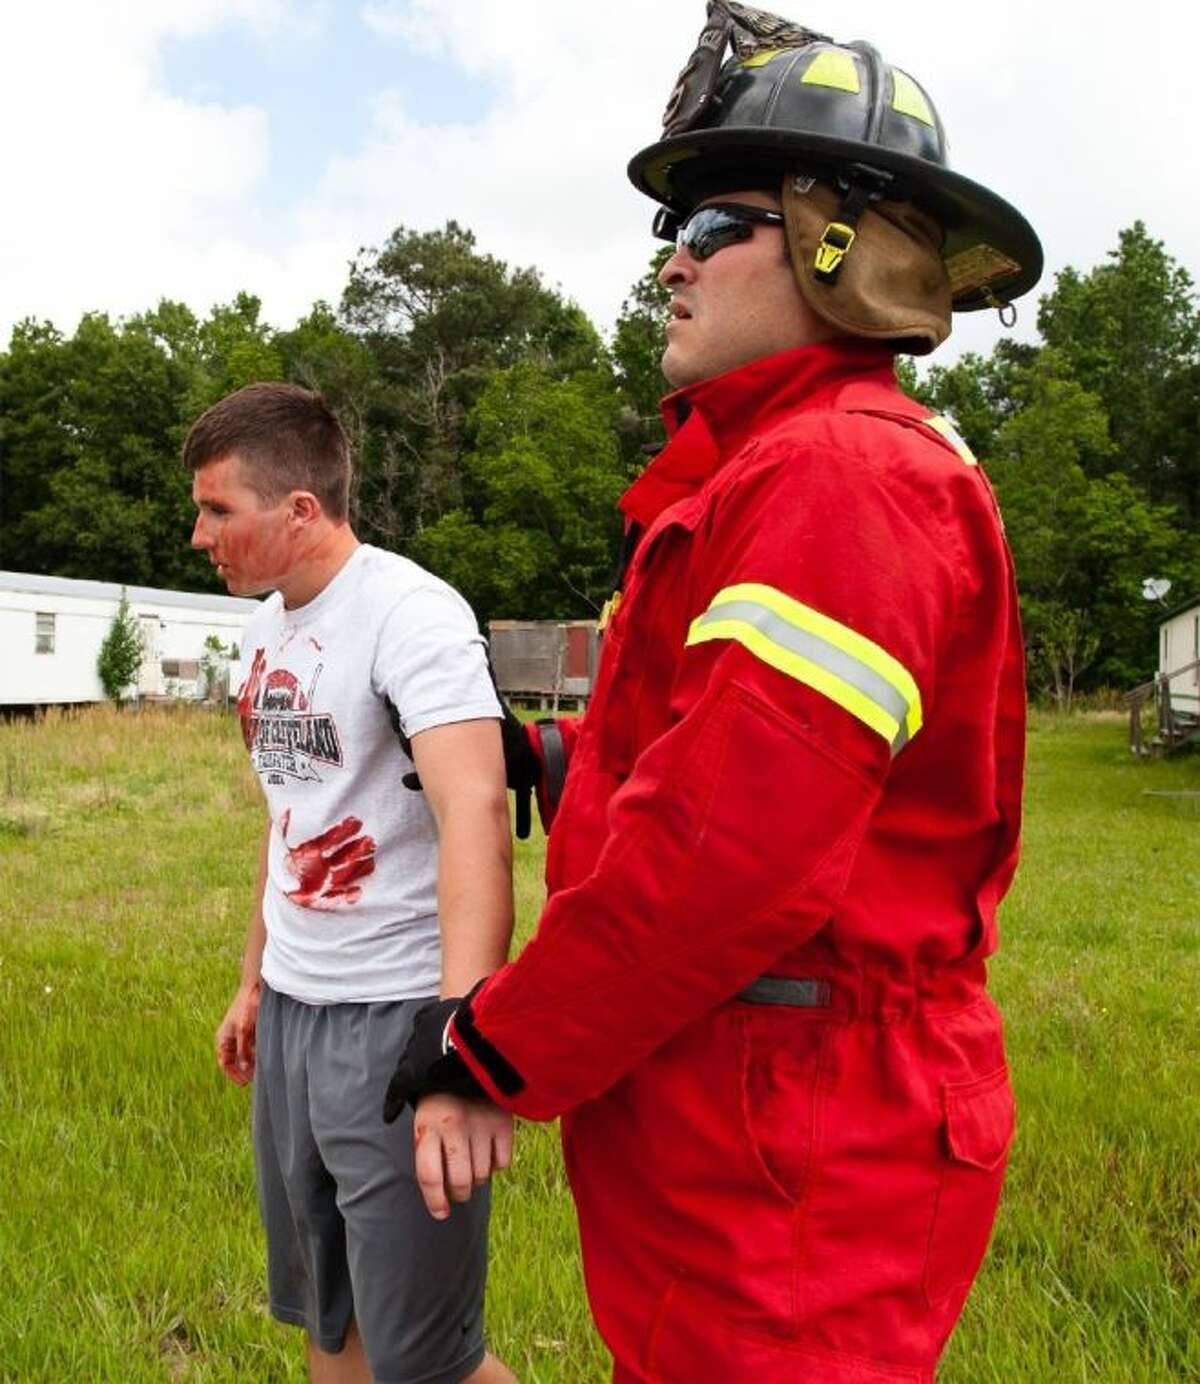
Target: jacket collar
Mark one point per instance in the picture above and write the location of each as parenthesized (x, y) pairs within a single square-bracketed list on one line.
[(709, 422)]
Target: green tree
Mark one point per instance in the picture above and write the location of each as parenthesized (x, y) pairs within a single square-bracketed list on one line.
[(1125, 538), (214, 667), (1082, 543), (1129, 331), (102, 418), (233, 348), (321, 353), (34, 375), (1039, 472), (120, 654), (981, 393), (537, 535), (440, 318), (1064, 645), (1180, 440)]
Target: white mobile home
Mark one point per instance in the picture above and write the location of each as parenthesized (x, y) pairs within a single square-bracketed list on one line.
[(51, 629), (1179, 658)]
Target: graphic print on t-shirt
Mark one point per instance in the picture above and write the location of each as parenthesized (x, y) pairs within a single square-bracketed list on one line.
[(286, 738), (327, 866)]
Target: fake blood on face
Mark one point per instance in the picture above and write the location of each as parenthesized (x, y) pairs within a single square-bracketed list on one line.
[(250, 541)]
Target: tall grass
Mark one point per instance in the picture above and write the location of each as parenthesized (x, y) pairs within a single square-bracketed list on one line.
[(129, 1241)]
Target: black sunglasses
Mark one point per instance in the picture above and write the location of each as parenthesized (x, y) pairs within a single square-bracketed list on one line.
[(709, 229)]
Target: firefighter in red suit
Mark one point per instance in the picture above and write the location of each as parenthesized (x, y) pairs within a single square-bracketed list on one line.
[(756, 995)]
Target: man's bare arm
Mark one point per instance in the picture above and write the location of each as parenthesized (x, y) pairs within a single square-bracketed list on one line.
[(462, 770), (236, 1033), (460, 1143)]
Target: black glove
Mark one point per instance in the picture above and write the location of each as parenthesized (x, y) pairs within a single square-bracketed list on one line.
[(522, 768), (424, 1068)]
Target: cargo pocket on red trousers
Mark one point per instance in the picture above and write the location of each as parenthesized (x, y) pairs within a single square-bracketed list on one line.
[(978, 1129)]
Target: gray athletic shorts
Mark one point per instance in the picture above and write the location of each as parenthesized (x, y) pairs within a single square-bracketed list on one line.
[(347, 1232)]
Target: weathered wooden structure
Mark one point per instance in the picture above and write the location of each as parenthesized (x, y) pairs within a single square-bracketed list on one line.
[(545, 663)]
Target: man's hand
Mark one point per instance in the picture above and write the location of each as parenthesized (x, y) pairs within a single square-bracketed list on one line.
[(235, 1035), (459, 1144)]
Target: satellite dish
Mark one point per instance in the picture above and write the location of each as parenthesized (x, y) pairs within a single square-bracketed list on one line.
[(1155, 588)]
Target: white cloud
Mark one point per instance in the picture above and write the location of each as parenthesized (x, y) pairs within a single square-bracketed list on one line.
[(541, 178), (121, 192), (391, 20)]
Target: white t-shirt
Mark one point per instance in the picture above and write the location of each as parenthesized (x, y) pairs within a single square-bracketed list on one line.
[(350, 902)]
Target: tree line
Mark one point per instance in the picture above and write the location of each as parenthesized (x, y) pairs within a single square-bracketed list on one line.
[(494, 428)]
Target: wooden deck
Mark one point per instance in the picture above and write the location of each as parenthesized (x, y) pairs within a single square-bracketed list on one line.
[(1176, 729)]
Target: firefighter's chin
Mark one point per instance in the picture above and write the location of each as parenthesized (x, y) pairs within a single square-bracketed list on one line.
[(680, 366)]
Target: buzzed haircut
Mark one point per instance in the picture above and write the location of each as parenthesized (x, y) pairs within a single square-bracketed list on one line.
[(287, 438)]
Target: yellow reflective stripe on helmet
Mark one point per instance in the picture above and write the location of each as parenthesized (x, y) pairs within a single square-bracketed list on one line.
[(909, 99), (832, 67), (761, 59), (945, 428), (829, 657)]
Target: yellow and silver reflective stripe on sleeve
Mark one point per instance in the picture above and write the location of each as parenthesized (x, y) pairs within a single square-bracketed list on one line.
[(830, 658), (946, 429)]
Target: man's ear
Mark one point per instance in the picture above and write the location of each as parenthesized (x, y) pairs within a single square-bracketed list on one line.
[(303, 508)]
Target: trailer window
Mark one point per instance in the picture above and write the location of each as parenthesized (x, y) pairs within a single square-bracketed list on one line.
[(44, 638)]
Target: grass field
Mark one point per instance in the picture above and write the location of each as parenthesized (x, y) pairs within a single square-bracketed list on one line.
[(129, 1242)]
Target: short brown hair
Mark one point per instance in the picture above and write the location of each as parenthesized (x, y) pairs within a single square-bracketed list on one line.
[(287, 438)]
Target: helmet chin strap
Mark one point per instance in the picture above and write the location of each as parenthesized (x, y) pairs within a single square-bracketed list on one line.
[(863, 187)]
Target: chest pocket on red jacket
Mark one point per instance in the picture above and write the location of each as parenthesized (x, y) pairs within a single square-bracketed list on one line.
[(645, 641)]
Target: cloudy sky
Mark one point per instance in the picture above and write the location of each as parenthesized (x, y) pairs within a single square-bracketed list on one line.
[(192, 148)]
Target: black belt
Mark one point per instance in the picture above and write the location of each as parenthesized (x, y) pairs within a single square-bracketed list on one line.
[(798, 994)]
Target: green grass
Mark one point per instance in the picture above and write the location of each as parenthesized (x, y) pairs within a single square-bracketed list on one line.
[(129, 1241)]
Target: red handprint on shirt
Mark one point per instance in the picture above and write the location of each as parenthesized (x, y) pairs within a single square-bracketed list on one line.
[(327, 866)]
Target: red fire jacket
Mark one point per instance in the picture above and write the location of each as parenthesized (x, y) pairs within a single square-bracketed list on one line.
[(803, 757)]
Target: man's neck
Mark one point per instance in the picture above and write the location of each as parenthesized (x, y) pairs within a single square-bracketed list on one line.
[(313, 573)]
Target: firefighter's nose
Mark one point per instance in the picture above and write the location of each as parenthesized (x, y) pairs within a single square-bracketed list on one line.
[(678, 269)]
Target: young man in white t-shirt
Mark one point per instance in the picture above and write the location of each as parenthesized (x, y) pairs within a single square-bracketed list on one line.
[(358, 669)]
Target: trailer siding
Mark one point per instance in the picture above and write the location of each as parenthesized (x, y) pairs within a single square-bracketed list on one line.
[(1179, 646), (175, 624)]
